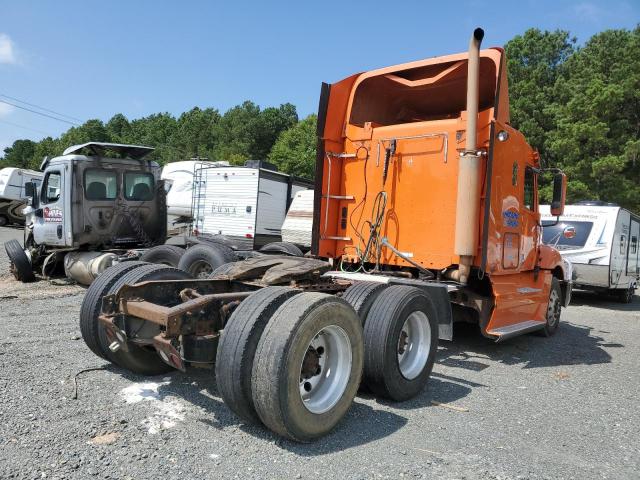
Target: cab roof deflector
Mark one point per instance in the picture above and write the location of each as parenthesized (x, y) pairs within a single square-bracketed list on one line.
[(135, 152)]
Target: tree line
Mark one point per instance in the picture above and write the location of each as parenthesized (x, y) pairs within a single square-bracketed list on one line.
[(578, 105)]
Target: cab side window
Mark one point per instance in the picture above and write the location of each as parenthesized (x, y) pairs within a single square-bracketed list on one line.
[(51, 190), (529, 189)]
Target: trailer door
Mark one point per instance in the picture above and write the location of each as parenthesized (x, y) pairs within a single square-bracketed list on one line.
[(632, 252)]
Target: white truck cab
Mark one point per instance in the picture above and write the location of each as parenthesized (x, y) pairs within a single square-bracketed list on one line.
[(95, 197)]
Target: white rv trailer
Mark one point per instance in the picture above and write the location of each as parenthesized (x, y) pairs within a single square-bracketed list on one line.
[(178, 177), (298, 223), (12, 193), (601, 242), (245, 204)]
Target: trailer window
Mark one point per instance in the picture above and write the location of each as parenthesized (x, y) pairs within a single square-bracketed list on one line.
[(529, 188), (634, 245), (138, 186), (566, 235), (51, 190), (622, 239), (100, 184)]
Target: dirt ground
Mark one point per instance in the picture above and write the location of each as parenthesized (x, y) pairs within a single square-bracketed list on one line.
[(564, 407)]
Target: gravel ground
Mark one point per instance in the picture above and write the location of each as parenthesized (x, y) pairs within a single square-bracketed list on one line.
[(564, 407)]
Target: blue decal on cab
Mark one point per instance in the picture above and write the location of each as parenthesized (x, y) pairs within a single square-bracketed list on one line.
[(510, 218)]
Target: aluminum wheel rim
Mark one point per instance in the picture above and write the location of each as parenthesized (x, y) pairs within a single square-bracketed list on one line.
[(330, 353), (414, 345), (553, 310)]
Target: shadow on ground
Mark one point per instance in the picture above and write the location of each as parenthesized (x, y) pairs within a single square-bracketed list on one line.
[(363, 423), (596, 300), (571, 345)]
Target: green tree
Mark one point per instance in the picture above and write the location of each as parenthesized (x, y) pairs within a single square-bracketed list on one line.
[(119, 129), (90, 131), (157, 131), (195, 133), (597, 113), (295, 150), (534, 62), (19, 154), (245, 132)]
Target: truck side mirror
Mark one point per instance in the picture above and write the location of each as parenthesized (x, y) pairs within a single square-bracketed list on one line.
[(31, 192), (559, 194)]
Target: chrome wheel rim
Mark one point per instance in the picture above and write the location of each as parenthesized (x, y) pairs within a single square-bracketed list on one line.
[(553, 310), (325, 369), (414, 345)]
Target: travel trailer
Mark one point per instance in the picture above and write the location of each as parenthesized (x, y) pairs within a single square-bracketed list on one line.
[(178, 178), (601, 241), (12, 193), (298, 223), (244, 204)]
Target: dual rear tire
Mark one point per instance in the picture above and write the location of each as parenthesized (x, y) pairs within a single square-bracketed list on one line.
[(143, 360), (294, 361), (291, 360)]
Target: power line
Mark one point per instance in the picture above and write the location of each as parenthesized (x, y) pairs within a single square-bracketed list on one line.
[(40, 108), (40, 113), (26, 128)]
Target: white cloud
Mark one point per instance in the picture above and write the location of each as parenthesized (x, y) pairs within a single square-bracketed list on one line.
[(7, 50), (5, 109)]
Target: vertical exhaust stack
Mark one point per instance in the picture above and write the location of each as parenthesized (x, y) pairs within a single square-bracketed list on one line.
[(468, 196)]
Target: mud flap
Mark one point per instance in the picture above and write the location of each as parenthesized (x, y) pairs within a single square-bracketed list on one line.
[(440, 296)]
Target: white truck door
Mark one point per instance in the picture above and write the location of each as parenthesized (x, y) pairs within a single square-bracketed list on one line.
[(49, 219)]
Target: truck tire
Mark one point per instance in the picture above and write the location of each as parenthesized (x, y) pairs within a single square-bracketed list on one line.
[(92, 304), (20, 264), (3, 221), (400, 342), (222, 270), (202, 259), (163, 255), (626, 296), (361, 296), (141, 360), (308, 366), (554, 308), (237, 348), (282, 247)]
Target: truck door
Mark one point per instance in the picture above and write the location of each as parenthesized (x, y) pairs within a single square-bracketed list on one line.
[(529, 220), (49, 219), (632, 252)]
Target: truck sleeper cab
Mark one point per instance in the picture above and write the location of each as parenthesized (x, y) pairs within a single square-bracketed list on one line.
[(426, 211)]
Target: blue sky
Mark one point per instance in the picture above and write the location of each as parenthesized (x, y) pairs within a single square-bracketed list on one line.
[(92, 59)]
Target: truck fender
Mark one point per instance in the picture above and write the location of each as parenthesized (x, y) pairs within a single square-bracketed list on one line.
[(550, 259)]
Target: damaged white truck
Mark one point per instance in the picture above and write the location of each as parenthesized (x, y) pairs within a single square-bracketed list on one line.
[(99, 203)]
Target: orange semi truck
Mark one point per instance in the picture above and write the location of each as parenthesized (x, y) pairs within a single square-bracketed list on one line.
[(426, 213)]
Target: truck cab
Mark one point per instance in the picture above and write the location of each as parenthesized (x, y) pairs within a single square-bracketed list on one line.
[(97, 195), (97, 201)]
